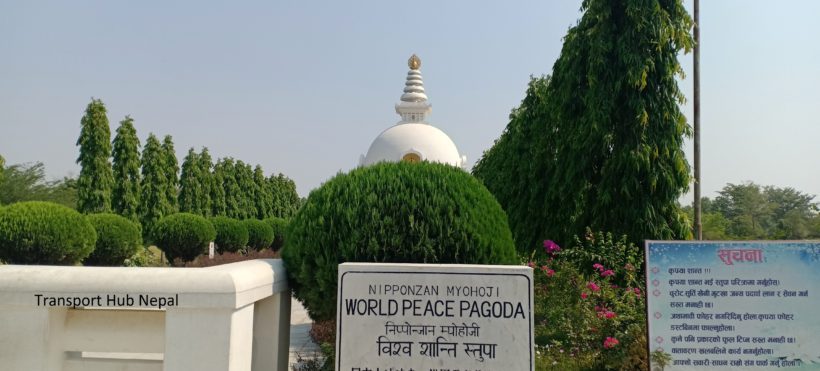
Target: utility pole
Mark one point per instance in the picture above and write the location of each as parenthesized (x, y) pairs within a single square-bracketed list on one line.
[(698, 225)]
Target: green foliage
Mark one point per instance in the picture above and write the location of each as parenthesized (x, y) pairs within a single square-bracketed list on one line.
[(245, 198), (391, 212), (37, 232), (2, 170), (219, 201), (587, 319), (263, 194), (118, 239), (608, 134), (514, 167), (126, 164), (231, 234), (153, 198), (279, 226), (205, 181), (750, 211), (96, 178), (602, 248), (26, 182), (285, 199), (183, 236), (225, 170), (260, 234), (190, 188), (171, 169)]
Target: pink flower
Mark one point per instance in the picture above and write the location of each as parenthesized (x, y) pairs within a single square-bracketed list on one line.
[(610, 342), (531, 264), (550, 272), (609, 314), (607, 273), (584, 295), (637, 291), (598, 267), (551, 247), (592, 286)]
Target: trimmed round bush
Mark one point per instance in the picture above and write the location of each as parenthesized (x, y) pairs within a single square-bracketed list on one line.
[(37, 232), (231, 234), (260, 234), (117, 239), (392, 212), (279, 226), (183, 235)]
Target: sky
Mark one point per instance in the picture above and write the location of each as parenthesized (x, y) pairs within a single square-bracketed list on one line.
[(303, 88)]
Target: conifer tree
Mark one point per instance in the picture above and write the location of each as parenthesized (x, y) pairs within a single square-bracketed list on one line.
[(190, 189), (96, 179), (205, 181), (171, 172), (153, 198), (264, 198), (126, 163)]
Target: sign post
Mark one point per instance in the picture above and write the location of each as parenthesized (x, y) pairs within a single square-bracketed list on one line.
[(748, 305), (434, 317)]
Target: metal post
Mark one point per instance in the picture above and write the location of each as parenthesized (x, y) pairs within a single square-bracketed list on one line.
[(698, 225)]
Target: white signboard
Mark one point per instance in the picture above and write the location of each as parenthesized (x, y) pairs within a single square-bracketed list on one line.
[(211, 250), (427, 317)]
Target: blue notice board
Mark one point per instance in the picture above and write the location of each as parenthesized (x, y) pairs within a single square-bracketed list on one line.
[(734, 305)]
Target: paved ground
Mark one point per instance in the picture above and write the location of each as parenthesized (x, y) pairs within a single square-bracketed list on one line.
[(300, 343)]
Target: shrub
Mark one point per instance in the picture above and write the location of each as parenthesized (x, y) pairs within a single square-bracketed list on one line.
[(37, 232), (117, 239), (279, 226), (391, 212), (183, 235), (231, 234), (260, 234), (588, 319)]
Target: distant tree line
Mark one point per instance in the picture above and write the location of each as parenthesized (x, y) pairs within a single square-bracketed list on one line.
[(148, 185), (750, 211)]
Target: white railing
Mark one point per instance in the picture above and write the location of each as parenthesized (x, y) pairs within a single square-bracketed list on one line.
[(228, 317)]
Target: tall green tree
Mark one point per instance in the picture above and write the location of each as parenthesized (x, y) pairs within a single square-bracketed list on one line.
[(153, 197), (264, 197), (96, 179), (233, 193), (205, 167), (513, 170), (171, 172), (126, 166), (219, 202), (285, 199), (609, 153), (190, 189), (248, 190)]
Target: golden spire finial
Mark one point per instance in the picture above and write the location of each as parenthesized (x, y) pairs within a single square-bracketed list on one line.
[(414, 62)]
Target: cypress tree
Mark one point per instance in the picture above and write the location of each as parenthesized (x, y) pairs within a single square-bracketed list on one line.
[(206, 181), (264, 198), (96, 178), (190, 190), (171, 172), (126, 163), (153, 199)]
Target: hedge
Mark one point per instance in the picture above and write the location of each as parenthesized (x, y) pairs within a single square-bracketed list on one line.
[(117, 239), (231, 234), (183, 235)]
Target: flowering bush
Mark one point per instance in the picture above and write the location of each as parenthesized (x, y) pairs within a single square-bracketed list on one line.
[(587, 313)]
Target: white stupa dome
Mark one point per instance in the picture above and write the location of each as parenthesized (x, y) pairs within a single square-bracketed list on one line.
[(413, 139)]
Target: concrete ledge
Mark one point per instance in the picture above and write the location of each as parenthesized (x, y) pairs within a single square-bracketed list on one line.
[(226, 286)]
